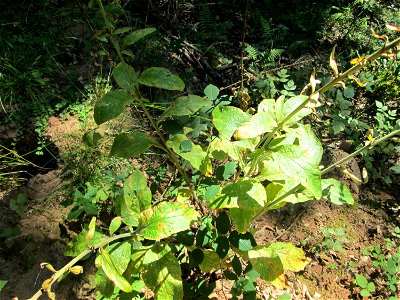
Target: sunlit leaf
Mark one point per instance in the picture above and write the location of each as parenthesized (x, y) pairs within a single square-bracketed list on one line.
[(111, 105), (211, 261), (258, 124), (336, 192), (381, 37), (115, 224), (333, 63), (161, 78), (162, 273), (227, 119), (112, 272), (167, 219), (357, 60), (91, 229), (198, 158), (78, 243)]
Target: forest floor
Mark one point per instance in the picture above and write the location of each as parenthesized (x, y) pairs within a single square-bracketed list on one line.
[(334, 259)]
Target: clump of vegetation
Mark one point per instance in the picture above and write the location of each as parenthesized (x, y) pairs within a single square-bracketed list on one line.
[(171, 230)]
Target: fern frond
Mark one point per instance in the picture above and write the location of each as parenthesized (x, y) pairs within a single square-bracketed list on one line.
[(252, 52), (206, 21)]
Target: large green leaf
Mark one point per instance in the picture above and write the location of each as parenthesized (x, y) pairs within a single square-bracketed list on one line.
[(129, 144), (242, 218), (111, 105), (227, 119), (258, 124), (294, 163), (284, 108), (162, 273), (167, 219), (336, 192), (265, 262), (78, 243), (195, 155), (244, 194), (221, 148), (136, 36), (161, 78), (136, 198), (185, 106), (126, 77), (270, 260), (112, 272)]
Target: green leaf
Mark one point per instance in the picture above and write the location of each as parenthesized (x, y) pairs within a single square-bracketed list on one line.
[(289, 106), (162, 273), (361, 281), (122, 30), (196, 156), (161, 78), (242, 241), (211, 92), (186, 146), (395, 169), (196, 257), (185, 106), (136, 36), (336, 192), (292, 160), (78, 243), (349, 91), (223, 223), (221, 246), (270, 260), (91, 138), (111, 105), (115, 224), (112, 272), (258, 124), (285, 296), (210, 262), (2, 284), (225, 171), (130, 144), (237, 266), (266, 263), (126, 77), (104, 285), (371, 287), (167, 219), (227, 119), (136, 198), (365, 293)]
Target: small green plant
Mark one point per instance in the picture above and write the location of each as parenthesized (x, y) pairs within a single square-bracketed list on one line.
[(333, 239), (18, 204), (367, 288)]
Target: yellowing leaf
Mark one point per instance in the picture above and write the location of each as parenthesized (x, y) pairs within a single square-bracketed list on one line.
[(76, 270), (112, 273), (360, 84), (314, 81), (258, 124), (381, 37), (357, 60), (333, 63), (91, 229)]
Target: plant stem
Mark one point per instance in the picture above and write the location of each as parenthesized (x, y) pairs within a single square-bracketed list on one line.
[(326, 170), (64, 269), (109, 27), (268, 138), (174, 158), (366, 147)]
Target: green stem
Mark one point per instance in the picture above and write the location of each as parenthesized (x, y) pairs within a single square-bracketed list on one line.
[(174, 158), (366, 147), (326, 170), (64, 269), (322, 90), (109, 27)]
